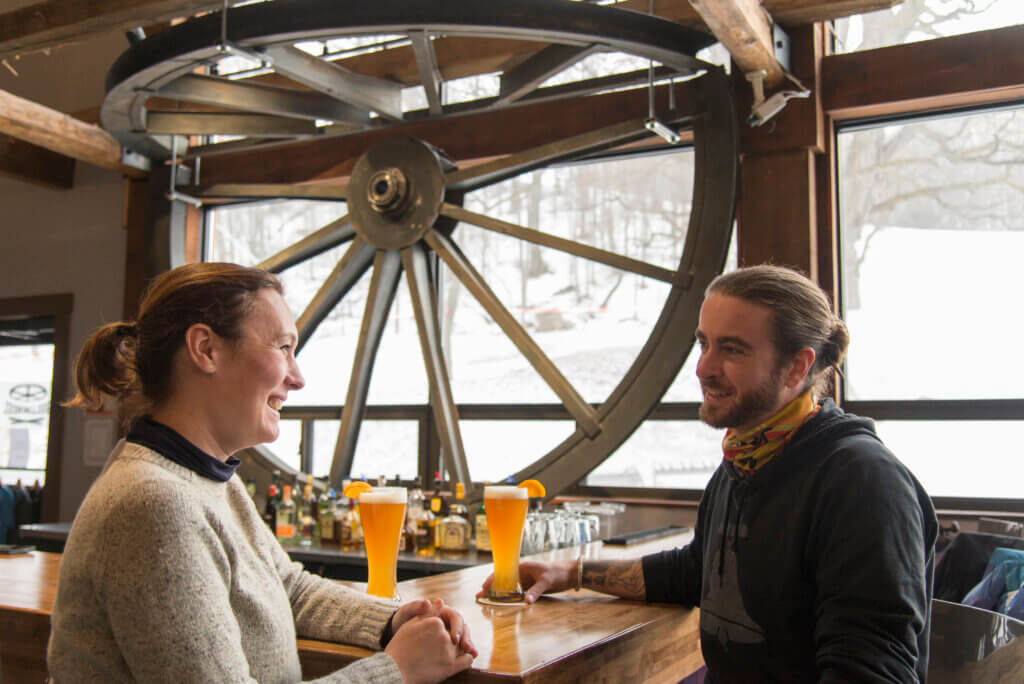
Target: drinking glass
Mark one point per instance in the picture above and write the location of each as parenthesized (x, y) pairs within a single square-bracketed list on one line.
[(506, 512), (382, 512)]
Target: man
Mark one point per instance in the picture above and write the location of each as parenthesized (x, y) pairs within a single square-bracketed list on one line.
[(812, 554)]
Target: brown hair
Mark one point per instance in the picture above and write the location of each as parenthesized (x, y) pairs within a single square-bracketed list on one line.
[(801, 314), (135, 360)]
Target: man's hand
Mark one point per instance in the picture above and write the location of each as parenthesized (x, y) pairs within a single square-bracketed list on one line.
[(540, 578), (424, 651), (623, 578), (453, 620)]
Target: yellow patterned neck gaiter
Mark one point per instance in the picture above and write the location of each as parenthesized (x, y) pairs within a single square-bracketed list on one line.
[(753, 449)]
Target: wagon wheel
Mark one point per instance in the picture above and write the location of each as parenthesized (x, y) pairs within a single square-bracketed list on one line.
[(404, 197)]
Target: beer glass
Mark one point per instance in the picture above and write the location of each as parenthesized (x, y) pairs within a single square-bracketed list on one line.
[(506, 512), (382, 512)]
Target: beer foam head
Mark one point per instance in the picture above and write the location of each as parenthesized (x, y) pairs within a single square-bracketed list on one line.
[(505, 492), (381, 495)]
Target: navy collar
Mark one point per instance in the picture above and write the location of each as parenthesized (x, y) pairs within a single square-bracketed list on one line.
[(172, 445)]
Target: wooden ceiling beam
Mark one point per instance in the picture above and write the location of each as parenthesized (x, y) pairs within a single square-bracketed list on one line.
[(472, 136), (746, 32), (61, 133), (942, 73), (58, 22)]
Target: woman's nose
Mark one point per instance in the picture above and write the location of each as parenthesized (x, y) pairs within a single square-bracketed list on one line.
[(295, 379)]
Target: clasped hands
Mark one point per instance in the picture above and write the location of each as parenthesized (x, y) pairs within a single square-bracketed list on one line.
[(431, 641)]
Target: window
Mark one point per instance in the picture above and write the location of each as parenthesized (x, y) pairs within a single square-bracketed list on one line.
[(931, 226), (590, 319), (916, 20), (26, 382)]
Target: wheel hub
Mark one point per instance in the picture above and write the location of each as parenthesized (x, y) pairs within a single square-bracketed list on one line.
[(395, 192)]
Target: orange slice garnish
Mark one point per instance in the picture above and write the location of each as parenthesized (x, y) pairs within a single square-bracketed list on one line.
[(354, 489), (534, 488)]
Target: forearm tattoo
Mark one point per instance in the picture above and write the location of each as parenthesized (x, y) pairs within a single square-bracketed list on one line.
[(621, 578)]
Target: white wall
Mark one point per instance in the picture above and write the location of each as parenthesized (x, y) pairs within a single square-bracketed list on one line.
[(60, 241)]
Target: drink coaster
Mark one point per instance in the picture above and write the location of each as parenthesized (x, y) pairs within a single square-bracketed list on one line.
[(500, 604)]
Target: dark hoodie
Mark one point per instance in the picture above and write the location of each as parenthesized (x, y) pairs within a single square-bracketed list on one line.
[(824, 570)]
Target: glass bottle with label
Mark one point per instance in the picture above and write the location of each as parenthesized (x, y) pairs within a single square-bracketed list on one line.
[(308, 515), (270, 512), (454, 527), (286, 517), (325, 519), (483, 535), (414, 510)]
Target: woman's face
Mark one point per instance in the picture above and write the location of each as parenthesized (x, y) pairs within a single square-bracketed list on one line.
[(258, 372)]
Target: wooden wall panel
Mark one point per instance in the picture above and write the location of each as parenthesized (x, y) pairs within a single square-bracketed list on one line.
[(971, 69)]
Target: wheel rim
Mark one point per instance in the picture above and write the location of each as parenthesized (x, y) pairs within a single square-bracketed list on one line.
[(404, 197)]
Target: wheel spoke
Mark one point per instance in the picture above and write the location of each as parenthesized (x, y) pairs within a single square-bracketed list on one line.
[(264, 99), (387, 269), (453, 257), (446, 414), (539, 67), (498, 170), (547, 240), (346, 272), (333, 234), (368, 93), (430, 75), (325, 191)]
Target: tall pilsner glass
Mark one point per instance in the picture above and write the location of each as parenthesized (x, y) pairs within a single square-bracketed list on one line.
[(382, 513), (506, 513)]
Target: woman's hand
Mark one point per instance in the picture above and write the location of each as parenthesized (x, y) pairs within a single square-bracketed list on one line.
[(540, 578), (453, 620), (424, 649)]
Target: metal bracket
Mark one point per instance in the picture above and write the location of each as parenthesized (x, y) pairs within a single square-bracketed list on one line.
[(135, 160), (780, 45)]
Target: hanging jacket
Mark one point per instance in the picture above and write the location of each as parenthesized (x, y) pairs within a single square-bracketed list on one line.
[(818, 568)]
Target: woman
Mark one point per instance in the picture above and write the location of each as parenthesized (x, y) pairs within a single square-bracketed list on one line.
[(169, 574)]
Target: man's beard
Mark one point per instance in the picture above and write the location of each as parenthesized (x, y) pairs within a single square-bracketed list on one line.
[(751, 407)]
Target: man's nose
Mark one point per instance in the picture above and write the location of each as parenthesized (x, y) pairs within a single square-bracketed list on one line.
[(707, 365)]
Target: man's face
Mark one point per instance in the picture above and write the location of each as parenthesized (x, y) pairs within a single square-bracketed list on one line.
[(739, 373)]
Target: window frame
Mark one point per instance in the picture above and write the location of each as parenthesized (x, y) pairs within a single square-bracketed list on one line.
[(926, 409), (59, 307)]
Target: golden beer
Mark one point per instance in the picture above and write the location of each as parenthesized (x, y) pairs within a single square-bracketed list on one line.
[(383, 516), (506, 513)]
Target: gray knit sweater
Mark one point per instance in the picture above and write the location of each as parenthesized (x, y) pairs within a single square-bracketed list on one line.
[(171, 577)]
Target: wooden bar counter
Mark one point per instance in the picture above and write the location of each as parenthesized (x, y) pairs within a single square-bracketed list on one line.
[(572, 636)]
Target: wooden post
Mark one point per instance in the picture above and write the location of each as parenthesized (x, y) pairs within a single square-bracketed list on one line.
[(779, 217)]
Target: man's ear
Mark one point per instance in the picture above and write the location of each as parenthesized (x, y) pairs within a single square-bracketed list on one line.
[(202, 347), (799, 367)]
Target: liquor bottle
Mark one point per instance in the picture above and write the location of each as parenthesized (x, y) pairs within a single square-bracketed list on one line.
[(278, 486), (454, 528), (286, 517), (354, 525), (342, 532), (414, 508), (307, 517), (438, 511), (326, 518), (270, 512), (483, 535)]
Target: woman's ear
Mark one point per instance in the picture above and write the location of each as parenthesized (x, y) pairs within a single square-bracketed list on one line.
[(201, 347)]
